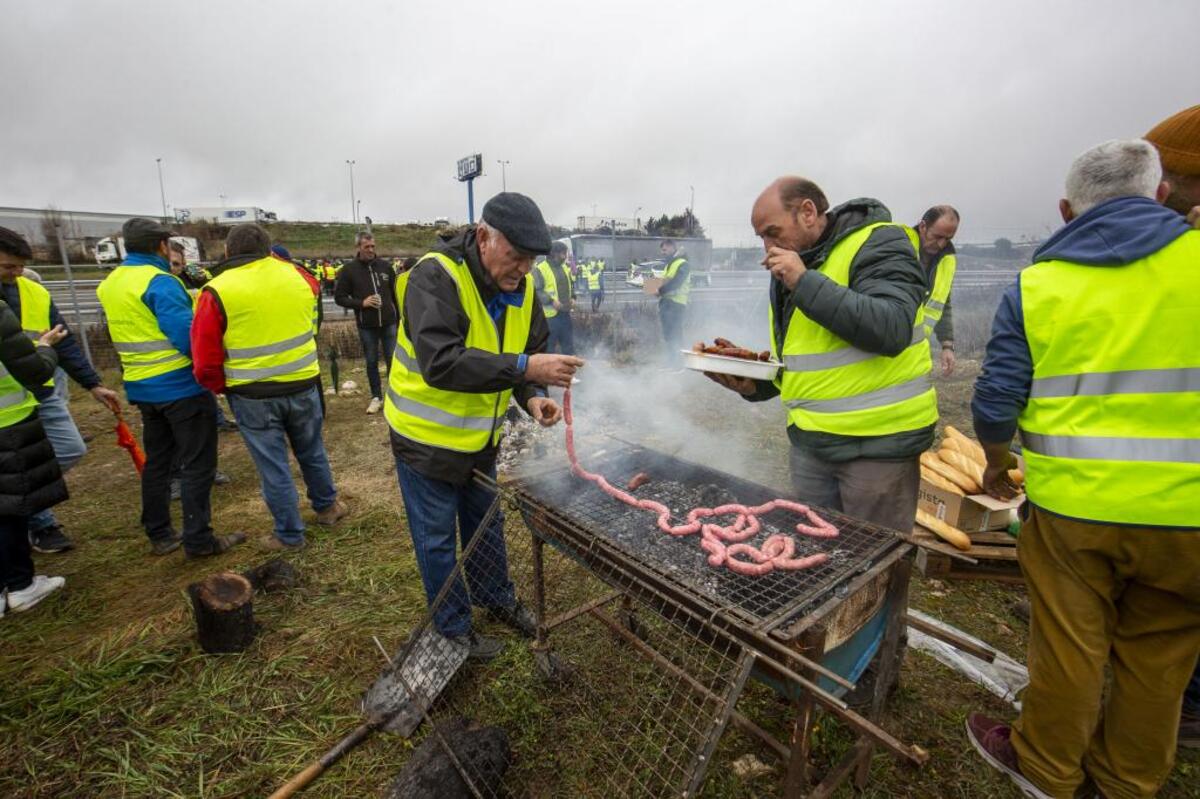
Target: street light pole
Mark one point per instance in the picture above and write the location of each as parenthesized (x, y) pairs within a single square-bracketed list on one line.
[(222, 196), (353, 202), (636, 221), (503, 174), (162, 192), (692, 212)]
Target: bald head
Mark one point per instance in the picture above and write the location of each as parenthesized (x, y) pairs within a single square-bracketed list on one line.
[(790, 213)]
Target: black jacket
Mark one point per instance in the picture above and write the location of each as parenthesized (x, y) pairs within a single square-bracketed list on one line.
[(30, 479), (435, 322), (69, 352), (359, 280), (876, 313)]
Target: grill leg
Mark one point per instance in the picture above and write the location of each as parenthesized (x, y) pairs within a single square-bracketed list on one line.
[(795, 784), (547, 663), (897, 597)]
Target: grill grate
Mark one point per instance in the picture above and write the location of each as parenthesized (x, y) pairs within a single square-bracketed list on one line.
[(764, 602)]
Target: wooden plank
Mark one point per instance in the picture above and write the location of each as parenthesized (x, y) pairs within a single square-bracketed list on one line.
[(997, 537)]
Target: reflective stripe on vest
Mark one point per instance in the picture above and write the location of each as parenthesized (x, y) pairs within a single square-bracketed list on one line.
[(460, 421), (682, 292), (16, 403), (830, 386), (143, 347), (550, 286), (939, 295), (1112, 426), (35, 310), (267, 341)]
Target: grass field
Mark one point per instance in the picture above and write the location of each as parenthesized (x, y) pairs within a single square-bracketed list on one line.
[(105, 692)]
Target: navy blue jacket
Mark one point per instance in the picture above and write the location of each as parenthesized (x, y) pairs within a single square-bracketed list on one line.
[(1114, 233)]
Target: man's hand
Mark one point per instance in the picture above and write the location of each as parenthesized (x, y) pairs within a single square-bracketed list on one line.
[(53, 336), (1193, 217), (786, 266), (996, 481), (557, 305), (108, 398), (545, 411), (948, 361), (742, 385), (552, 370), (372, 302)]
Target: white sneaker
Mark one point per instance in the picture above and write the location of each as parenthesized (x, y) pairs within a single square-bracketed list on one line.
[(374, 406), (41, 587)]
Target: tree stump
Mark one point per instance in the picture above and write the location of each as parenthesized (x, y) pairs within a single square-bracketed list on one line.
[(224, 610)]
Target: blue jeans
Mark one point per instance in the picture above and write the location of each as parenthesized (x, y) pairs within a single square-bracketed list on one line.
[(64, 436), (562, 334), (432, 507), (269, 426), (377, 341)]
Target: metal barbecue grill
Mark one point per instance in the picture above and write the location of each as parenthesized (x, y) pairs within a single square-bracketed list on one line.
[(761, 603), (653, 648)]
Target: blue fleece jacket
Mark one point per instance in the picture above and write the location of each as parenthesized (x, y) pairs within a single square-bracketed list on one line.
[(171, 305), (1114, 233)]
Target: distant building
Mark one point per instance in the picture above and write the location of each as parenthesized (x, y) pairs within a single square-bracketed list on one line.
[(81, 230)]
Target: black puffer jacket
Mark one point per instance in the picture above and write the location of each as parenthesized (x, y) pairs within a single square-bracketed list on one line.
[(875, 313), (30, 479)]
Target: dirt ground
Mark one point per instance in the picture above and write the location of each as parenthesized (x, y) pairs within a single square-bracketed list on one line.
[(106, 693)]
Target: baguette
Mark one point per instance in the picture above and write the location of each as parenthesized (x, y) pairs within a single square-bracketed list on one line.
[(941, 482), (964, 464), (951, 535), (936, 464), (968, 446)]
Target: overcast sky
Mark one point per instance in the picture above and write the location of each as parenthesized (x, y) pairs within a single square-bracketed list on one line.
[(611, 105)]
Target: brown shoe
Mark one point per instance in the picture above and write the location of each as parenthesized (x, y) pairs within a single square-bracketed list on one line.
[(221, 543), (991, 739), (273, 544), (333, 514)]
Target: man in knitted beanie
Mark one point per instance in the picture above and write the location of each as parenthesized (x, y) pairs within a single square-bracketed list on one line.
[(1177, 139)]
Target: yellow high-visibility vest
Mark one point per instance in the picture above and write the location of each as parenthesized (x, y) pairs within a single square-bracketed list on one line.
[(943, 279), (35, 310), (16, 404), (1111, 431), (680, 294), (454, 420), (271, 341), (551, 286), (143, 347), (829, 386)]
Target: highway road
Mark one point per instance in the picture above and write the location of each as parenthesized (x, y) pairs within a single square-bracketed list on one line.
[(713, 286)]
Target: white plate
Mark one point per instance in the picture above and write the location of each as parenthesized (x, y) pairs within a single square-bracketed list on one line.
[(723, 364)]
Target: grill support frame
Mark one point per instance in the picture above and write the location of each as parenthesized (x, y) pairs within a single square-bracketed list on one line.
[(790, 648)]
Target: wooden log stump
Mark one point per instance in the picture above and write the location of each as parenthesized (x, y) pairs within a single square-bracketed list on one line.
[(224, 610)]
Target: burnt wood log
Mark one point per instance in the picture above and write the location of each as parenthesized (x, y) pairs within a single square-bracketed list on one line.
[(224, 610), (274, 575)]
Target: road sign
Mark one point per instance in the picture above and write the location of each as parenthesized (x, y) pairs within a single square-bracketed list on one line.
[(470, 167)]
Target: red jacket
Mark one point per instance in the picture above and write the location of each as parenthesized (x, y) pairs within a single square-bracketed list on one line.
[(208, 337)]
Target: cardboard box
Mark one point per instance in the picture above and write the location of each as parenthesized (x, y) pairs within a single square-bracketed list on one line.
[(651, 285), (971, 514)]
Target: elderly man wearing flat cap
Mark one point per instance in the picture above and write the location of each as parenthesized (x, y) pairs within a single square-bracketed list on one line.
[(471, 337)]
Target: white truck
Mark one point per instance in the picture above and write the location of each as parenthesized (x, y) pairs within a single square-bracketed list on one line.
[(225, 216), (111, 251)]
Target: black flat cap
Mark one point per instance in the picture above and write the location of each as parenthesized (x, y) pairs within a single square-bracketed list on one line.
[(143, 235), (520, 220)]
